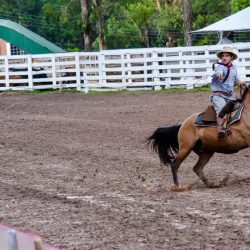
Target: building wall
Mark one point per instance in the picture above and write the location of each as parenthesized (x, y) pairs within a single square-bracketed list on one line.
[(3, 48), (7, 49)]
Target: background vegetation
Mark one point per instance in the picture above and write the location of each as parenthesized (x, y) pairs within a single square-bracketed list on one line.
[(78, 25)]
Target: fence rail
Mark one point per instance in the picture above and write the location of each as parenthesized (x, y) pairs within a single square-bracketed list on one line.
[(118, 69)]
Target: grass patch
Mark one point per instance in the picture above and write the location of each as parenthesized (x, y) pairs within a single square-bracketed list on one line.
[(39, 91), (92, 92), (174, 90)]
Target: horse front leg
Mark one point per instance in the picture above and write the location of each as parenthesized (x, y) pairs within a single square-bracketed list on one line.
[(199, 166)]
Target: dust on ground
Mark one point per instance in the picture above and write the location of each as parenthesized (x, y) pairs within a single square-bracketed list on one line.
[(75, 170)]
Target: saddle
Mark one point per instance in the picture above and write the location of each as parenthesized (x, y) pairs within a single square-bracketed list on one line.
[(208, 117)]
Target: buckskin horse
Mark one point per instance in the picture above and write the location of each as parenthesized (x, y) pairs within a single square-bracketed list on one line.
[(175, 143)]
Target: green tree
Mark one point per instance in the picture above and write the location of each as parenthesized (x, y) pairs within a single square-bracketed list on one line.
[(237, 5), (65, 24), (187, 18), (141, 14), (205, 13), (86, 24), (169, 23), (100, 24), (122, 33)]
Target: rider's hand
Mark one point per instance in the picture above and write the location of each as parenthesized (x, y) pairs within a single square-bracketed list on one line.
[(242, 84), (218, 76)]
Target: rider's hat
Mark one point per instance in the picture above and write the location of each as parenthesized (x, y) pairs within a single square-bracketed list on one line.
[(227, 50)]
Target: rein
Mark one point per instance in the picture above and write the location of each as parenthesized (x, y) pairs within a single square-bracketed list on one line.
[(243, 92)]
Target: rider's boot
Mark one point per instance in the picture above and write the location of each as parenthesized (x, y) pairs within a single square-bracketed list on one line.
[(228, 108), (220, 128)]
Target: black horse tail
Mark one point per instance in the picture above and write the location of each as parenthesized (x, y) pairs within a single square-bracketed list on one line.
[(164, 141)]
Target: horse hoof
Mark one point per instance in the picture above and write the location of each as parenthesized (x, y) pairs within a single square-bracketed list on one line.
[(222, 183), (213, 186), (180, 188)]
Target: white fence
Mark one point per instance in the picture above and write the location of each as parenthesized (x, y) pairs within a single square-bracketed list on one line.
[(118, 69), (12, 239)]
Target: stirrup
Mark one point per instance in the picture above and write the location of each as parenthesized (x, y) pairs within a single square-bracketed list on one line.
[(222, 134)]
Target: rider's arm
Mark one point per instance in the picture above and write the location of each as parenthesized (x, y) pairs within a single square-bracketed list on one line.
[(219, 72), (240, 83)]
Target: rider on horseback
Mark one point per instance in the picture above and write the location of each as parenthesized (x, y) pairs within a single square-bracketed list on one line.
[(222, 84)]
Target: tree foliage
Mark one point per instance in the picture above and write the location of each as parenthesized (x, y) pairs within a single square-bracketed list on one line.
[(237, 5), (115, 24)]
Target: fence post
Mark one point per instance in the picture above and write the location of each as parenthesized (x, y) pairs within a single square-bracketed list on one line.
[(53, 67), (30, 72), (190, 71), (156, 72), (38, 245), (102, 72), (123, 69), (207, 63), (12, 240), (183, 78), (7, 78), (78, 73), (129, 73)]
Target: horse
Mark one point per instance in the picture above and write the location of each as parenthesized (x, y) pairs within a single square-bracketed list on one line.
[(175, 143)]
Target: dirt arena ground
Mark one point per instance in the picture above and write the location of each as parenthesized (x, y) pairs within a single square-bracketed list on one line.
[(75, 170)]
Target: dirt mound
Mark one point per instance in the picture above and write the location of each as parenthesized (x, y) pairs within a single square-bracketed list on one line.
[(75, 170)]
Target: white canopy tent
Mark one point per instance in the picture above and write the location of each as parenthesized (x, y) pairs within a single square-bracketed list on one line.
[(237, 22)]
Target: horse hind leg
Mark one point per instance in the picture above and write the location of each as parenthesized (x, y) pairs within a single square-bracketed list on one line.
[(182, 154), (187, 140)]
